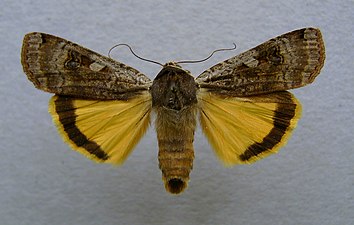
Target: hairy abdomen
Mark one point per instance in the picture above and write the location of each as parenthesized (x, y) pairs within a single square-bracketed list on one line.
[(175, 134)]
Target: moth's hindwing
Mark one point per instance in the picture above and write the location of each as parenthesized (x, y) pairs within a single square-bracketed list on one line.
[(59, 66), (289, 61), (243, 130), (104, 131)]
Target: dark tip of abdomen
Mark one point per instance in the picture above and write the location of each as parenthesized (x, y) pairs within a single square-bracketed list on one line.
[(175, 185)]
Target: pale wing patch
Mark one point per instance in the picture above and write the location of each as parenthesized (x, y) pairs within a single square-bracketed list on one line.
[(243, 130), (105, 131)]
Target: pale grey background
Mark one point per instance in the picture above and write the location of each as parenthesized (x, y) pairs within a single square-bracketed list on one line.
[(311, 180)]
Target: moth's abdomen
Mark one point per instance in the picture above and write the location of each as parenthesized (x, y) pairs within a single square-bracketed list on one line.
[(176, 162), (175, 134)]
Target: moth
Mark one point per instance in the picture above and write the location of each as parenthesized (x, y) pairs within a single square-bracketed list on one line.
[(102, 107)]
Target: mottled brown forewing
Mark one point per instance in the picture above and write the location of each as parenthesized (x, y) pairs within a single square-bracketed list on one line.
[(288, 61), (59, 66)]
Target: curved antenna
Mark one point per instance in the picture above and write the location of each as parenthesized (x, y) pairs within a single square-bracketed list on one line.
[(131, 50), (211, 54)]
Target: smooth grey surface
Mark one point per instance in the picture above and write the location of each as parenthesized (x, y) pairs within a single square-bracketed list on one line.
[(311, 180)]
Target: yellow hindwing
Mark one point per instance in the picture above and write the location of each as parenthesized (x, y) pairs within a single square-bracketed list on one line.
[(104, 131), (243, 130)]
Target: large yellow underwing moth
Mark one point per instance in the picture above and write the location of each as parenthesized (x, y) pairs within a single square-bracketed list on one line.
[(102, 107)]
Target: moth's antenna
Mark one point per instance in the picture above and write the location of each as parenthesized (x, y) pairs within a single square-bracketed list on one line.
[(211, 54), (131, 50)]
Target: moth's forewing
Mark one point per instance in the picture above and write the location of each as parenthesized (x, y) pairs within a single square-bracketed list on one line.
[(288, 61), (59, 66), (244, 130)]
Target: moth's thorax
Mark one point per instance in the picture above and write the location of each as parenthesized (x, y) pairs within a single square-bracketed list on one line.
[(173, 88)]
